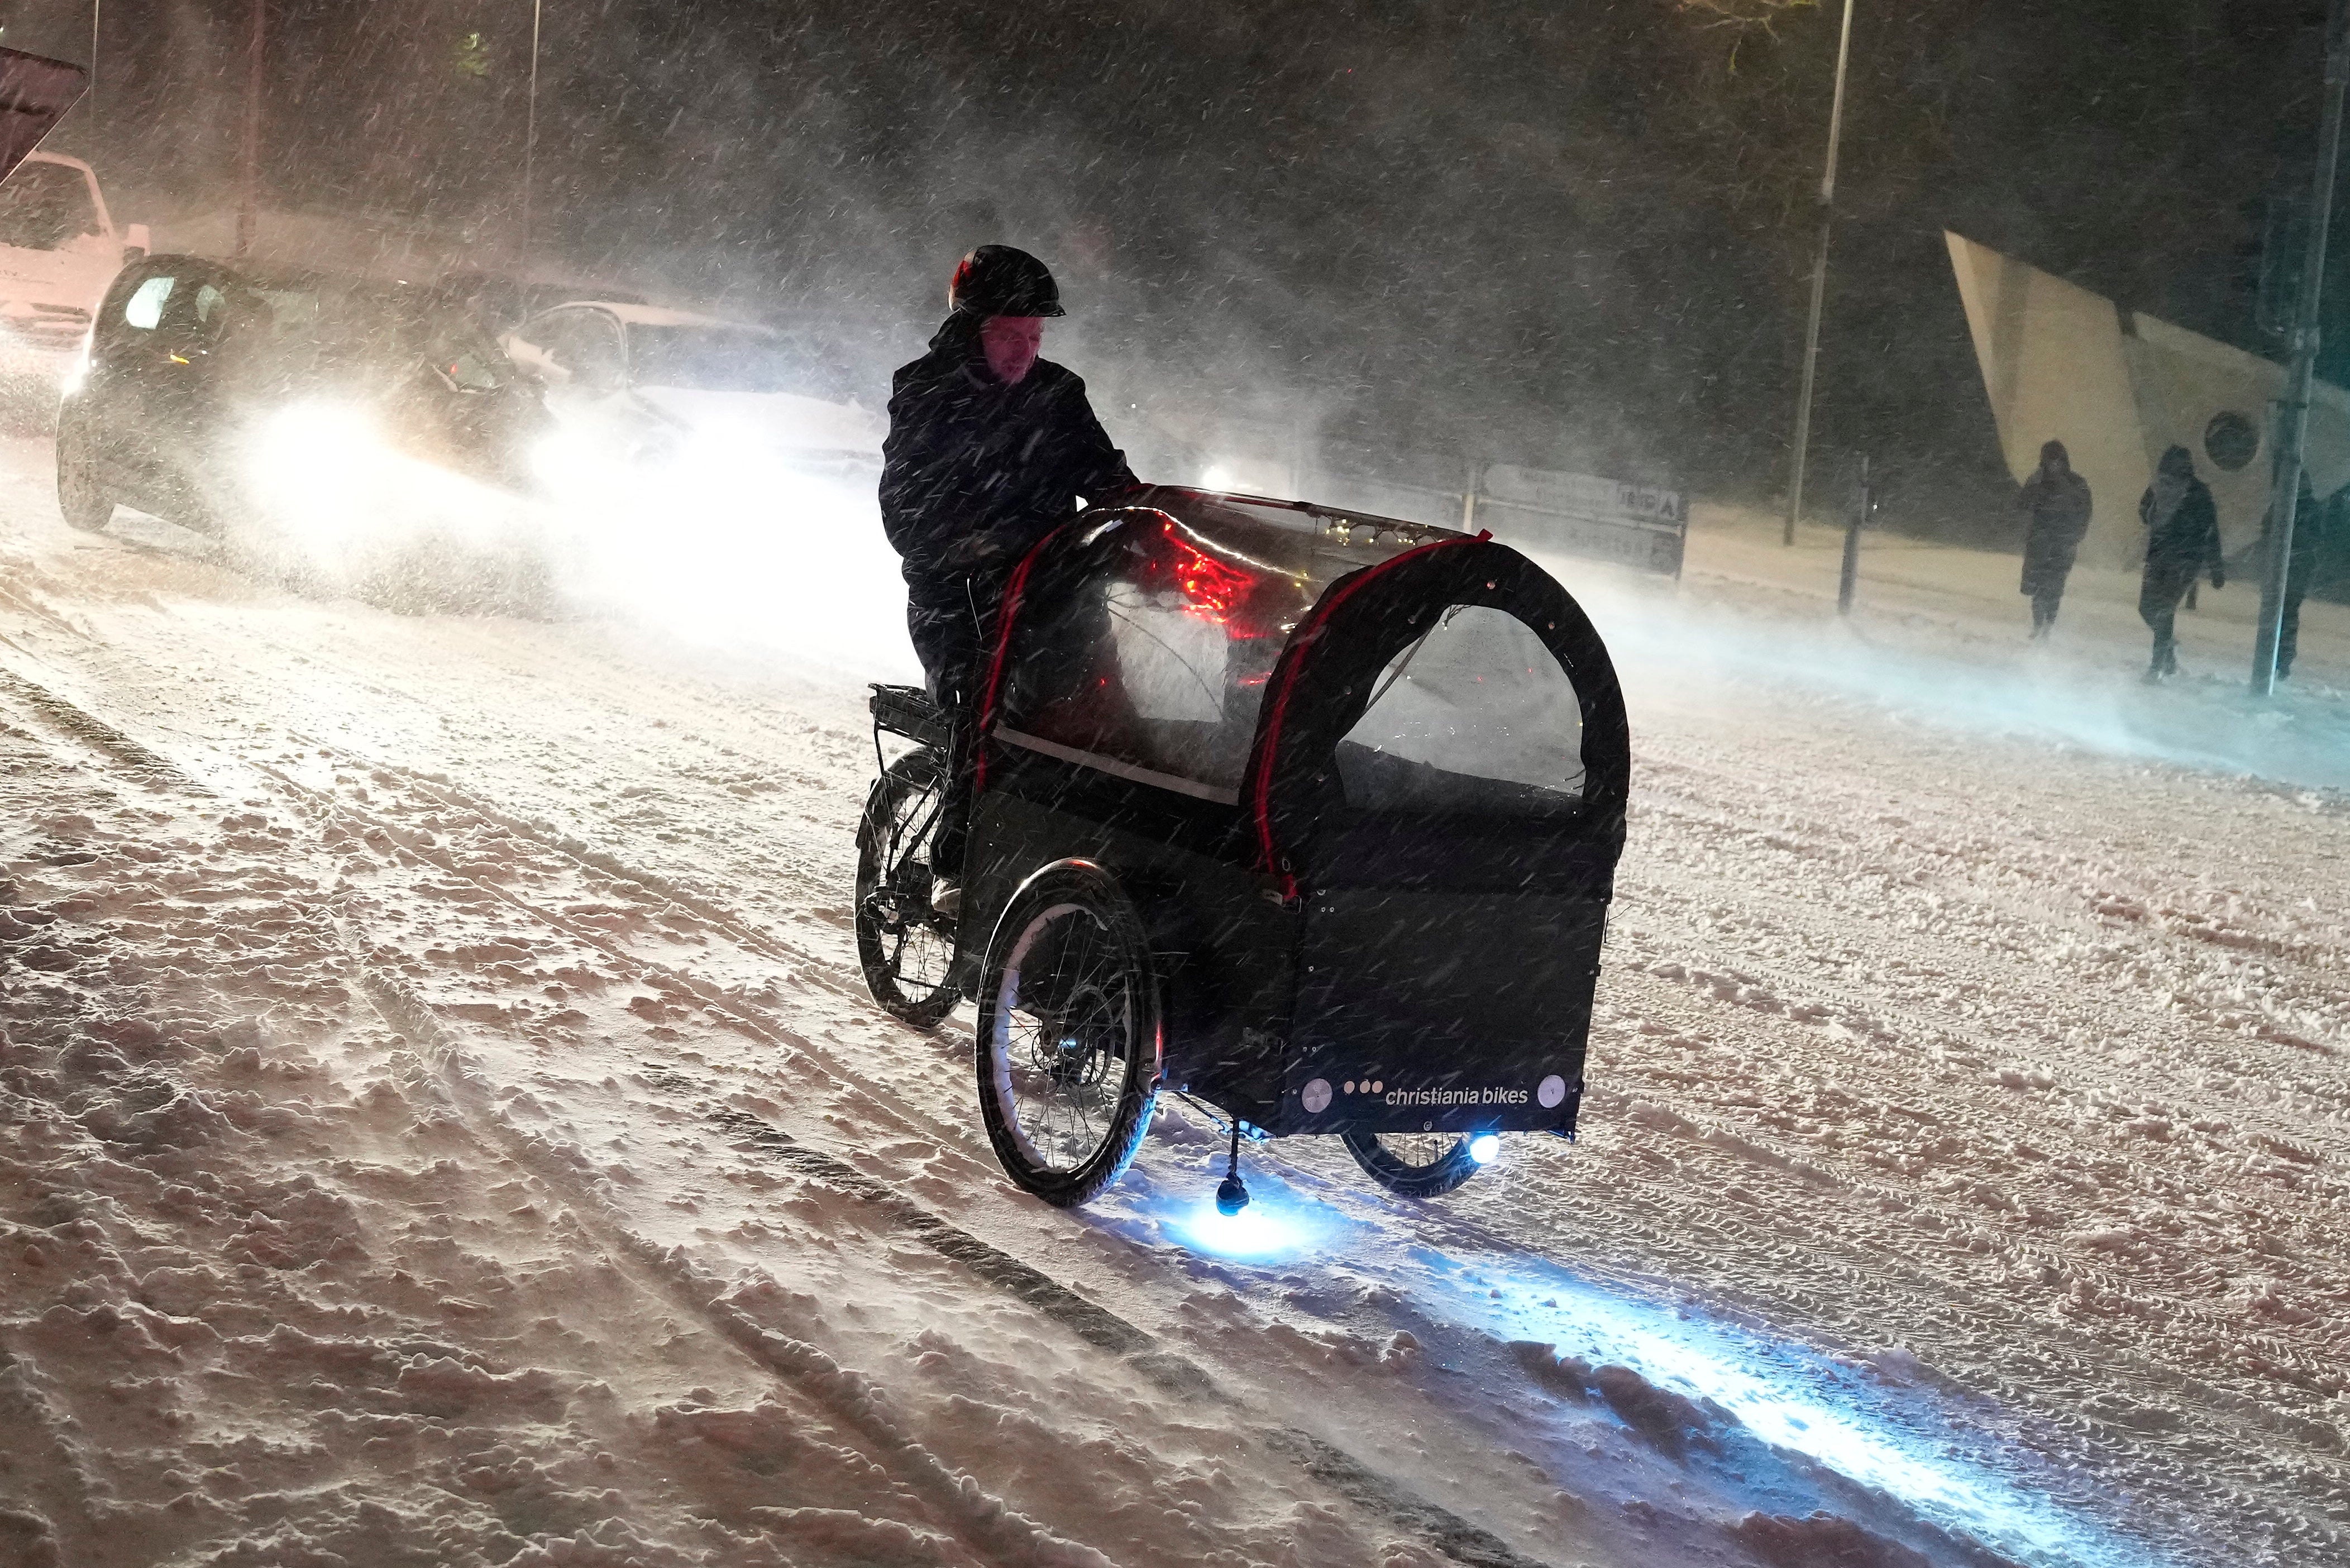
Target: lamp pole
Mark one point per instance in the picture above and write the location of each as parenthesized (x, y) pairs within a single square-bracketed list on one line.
[(94, 6), (1819, 282), (248, 204), (530, 129), (2293, 424)]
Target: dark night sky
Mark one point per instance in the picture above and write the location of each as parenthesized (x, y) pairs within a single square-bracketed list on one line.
[(1572, 233)]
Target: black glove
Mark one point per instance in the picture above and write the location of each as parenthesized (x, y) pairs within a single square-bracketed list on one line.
[(2218, 578)]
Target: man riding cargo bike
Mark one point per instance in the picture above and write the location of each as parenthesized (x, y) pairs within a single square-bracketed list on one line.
[(988, 449), (1307, 817)]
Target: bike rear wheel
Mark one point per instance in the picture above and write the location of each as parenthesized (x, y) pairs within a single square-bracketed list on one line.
[(906, 947), (1413, 1165)]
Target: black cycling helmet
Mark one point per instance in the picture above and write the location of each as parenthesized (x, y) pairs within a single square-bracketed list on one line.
[(997, 280)]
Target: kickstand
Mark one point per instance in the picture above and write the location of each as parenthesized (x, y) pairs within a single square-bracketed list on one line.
[(1231, 1193)]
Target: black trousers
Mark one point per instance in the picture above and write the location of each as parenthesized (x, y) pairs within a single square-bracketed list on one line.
[(2043, 581), (953, 623), (2159, 591)]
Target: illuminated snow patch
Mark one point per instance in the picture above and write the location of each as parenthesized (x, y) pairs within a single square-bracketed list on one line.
[(1257, 1233), (1797, 1400)]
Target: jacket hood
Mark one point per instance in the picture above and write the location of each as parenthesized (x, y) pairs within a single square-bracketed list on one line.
[(2178, 462), (2055, 452)]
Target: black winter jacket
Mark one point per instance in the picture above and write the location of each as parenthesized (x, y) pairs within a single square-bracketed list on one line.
[(2188, 540), (2055, 520), (974, 471)]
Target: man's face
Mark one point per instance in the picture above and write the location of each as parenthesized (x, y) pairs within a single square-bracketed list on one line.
[(1010, 343)]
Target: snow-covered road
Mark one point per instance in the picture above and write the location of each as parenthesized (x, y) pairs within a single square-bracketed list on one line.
[(441, 1121)]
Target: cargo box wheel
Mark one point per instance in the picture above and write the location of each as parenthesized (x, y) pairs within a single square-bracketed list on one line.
[(906, 948), (1413, 1165), (1068, 1038)]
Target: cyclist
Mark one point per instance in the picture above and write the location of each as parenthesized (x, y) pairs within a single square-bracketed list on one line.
[(989, 448)]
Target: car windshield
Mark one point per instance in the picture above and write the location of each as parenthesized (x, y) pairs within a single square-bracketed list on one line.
[(713, 359), (45, 205)]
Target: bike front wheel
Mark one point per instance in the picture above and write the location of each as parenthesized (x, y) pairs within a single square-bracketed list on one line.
[(1068, 1046)]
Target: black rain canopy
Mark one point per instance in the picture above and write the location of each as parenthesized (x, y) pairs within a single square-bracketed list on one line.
[(1326, 675)]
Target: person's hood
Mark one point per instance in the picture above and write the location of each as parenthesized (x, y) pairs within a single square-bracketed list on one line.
[(2053, 451), (771, 420), (2178, 463)]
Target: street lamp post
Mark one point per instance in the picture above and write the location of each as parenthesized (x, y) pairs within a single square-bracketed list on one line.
[(248, 203), (530, 129), (2293, 424), (1819, 282)]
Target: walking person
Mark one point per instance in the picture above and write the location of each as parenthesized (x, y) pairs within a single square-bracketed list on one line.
[(2056, 505), (2182, 539)]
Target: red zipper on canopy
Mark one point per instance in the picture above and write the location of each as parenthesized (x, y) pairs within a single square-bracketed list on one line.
[(1012, 590)]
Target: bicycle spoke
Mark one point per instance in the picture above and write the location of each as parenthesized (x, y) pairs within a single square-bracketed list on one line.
[(1066, 1043)]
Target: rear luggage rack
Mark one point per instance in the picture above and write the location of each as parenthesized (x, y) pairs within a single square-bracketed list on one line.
[(907, 711)]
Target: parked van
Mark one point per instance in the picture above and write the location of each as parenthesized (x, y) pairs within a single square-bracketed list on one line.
[(59, 249)]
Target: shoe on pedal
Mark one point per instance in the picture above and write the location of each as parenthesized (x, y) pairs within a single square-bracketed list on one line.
[(946, 900)]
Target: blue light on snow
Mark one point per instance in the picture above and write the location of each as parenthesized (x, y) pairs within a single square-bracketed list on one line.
[(1258, 1231), (1485, 1148), (1797, 1401)]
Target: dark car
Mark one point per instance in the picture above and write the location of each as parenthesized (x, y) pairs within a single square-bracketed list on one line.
[(213, 395)]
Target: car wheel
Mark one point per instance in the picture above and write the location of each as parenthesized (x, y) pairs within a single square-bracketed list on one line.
[(80, 500)]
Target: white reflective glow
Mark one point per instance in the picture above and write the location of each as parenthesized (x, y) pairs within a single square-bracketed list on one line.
[(333, 488), (1218, 477), (1485, 1148), (725, 539), (1270, 1228), (1249, 1235), (321, 467)]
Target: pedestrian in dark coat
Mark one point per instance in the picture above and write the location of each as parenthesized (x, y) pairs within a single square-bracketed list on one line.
[(2182, 538), (989, 448), (2056, 505), (2312, 523)]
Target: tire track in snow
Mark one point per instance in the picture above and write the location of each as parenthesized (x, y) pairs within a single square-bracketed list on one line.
[(1674, 1230), (1448, 1531), (1672, 1220), (981, 1521), (2061, 1377), (142, 764), (1789, 994), (988, 1522), (1177, 1374)]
